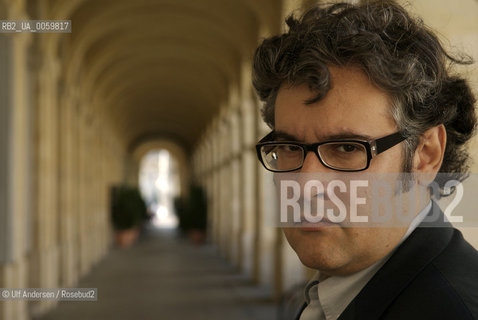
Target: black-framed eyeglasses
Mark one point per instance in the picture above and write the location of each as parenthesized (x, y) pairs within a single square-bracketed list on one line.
[(341, 155)]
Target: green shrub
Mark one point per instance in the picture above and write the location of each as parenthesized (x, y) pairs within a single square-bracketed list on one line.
[(127, 207), (192, 210)]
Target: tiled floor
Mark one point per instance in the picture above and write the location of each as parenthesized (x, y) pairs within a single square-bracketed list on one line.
[(165, 277)]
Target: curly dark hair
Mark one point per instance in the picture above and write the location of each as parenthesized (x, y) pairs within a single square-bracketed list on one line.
[(399, 54)]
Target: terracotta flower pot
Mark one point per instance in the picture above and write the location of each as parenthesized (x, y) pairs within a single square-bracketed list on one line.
[(126, 238), (197, 236)]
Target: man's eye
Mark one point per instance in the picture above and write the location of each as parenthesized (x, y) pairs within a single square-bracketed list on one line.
[(347, 148), (290, 148)]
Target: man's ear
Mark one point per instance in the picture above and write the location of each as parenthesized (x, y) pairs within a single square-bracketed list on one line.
[(428, 156)]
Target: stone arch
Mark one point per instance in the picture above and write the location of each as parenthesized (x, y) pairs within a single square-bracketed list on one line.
[(174, 149)]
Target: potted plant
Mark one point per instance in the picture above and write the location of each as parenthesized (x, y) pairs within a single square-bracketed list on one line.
[(192, 214), (127, 211)]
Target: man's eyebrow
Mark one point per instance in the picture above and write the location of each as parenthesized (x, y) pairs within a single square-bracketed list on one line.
[(348, 135), (284, 136)]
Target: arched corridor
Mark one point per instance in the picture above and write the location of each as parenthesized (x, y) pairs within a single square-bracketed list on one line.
[(78, 112)]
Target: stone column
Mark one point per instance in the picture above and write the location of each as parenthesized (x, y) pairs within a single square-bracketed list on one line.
[(15, 157), (207, 183), (82, 190), (234, 183), (44, 268), (249, 173), (215, 177), (224, 189), (269, 240), (67, 243)]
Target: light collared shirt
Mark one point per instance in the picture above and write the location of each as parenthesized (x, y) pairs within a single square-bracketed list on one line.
[(326, 300)]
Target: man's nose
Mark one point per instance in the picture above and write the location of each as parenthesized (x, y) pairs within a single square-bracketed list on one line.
[(312, 170)]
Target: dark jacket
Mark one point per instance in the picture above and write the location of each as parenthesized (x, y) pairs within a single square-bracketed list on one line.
[(432, 275)]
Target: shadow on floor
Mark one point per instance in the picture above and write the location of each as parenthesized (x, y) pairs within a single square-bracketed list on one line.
[(165, 277)]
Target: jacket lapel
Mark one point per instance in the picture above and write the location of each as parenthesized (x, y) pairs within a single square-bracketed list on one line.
[(415, 253), (301, 309)]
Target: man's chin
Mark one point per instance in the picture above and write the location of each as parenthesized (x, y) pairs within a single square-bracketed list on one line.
[(324, 265), (322, 259)]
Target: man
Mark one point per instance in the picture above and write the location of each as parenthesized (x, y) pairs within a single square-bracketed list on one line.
[(368, 88)]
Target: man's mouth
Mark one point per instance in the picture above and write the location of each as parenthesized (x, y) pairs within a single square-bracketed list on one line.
[(306, 225)]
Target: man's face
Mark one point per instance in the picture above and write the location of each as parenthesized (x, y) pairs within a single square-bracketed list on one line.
[(352, 106)]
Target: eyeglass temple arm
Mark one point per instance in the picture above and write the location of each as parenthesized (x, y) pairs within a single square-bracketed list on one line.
[(267, 137), (385, 143)]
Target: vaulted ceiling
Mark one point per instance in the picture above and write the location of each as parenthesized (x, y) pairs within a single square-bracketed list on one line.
[(160, 68)]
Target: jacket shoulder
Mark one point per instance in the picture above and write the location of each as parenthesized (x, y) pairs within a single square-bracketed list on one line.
[(447, 288), (458, 265)]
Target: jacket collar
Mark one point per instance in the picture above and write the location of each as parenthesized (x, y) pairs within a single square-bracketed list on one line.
[(413, 255)]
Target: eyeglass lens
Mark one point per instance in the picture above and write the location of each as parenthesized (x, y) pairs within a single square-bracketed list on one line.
[(337, 155)]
